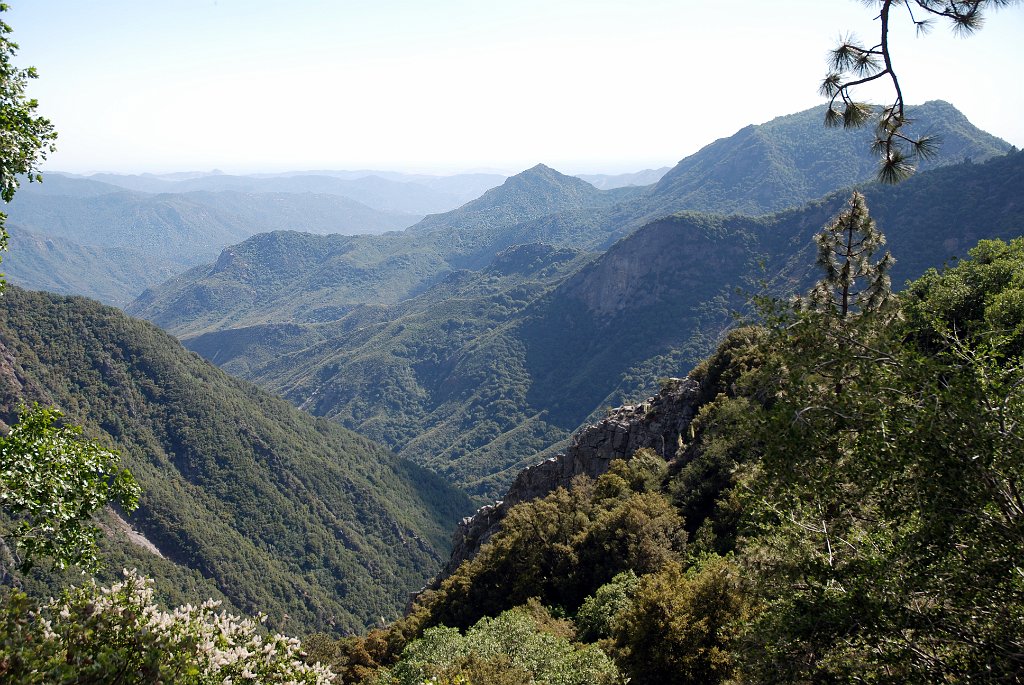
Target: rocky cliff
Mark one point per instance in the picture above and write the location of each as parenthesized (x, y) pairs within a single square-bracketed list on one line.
[(658, 424)]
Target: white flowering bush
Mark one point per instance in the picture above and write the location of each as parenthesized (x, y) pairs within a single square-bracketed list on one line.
[(117, 634)]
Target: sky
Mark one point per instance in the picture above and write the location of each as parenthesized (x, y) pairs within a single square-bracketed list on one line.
[(443, 86)]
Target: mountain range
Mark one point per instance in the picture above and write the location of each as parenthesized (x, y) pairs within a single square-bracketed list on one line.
[(478, 339), (159, 234), (461, 349), (482, 372), (637, 178), (538, 205), (384, 191)]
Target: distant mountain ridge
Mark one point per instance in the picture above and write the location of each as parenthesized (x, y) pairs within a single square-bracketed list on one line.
[(794, 159), (170, 232), (112, 275), (540, 205), (320, 279), (157, 226), (637, 178), (384, 191)]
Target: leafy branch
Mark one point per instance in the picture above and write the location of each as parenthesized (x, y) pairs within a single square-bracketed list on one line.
[(52, 482)]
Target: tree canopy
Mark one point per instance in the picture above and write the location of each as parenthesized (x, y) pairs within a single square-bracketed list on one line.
[(52, 482), (852, 281), (27, 137)]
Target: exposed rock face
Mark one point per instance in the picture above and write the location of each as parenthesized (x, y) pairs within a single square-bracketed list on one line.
[(658, 424)]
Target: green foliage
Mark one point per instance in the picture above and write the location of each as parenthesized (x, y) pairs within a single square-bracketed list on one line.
[(118, 634), (877, 530), (509, 649), (679, 627), (27, 137), (595, 615), (852, 281), (853, 64), (53, 482), (870, 534), (887, 524), (709, 467), (359, 658), (563, 547)]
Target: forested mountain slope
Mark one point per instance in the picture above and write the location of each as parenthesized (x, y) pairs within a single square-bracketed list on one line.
[(660, 297), (284, 513), (793, 159), (793, 510), (479, 373), (441, 376)]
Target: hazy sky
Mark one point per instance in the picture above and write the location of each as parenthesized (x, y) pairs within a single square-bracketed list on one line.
[(582, 85)]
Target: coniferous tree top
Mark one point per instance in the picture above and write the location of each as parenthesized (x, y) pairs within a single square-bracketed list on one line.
[(852, 281)]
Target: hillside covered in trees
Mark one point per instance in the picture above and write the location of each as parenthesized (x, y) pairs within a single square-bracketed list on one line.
[(838, 502), (280, 512)]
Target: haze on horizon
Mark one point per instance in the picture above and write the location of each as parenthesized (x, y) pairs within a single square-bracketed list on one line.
[(597, 86)]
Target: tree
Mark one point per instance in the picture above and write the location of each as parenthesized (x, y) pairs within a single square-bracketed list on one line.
[(513, 648), (852, 281), (885, 524), (25, 137), (52, 482), (117, 634), (853, 64), (678, 627)]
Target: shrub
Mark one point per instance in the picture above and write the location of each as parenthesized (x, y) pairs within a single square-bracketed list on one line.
[(117, 634)]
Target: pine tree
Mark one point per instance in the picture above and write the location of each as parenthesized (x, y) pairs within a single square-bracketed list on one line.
[(852, 282)]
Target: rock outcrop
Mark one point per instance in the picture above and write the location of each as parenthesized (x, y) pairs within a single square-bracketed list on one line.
[(658, 424)]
